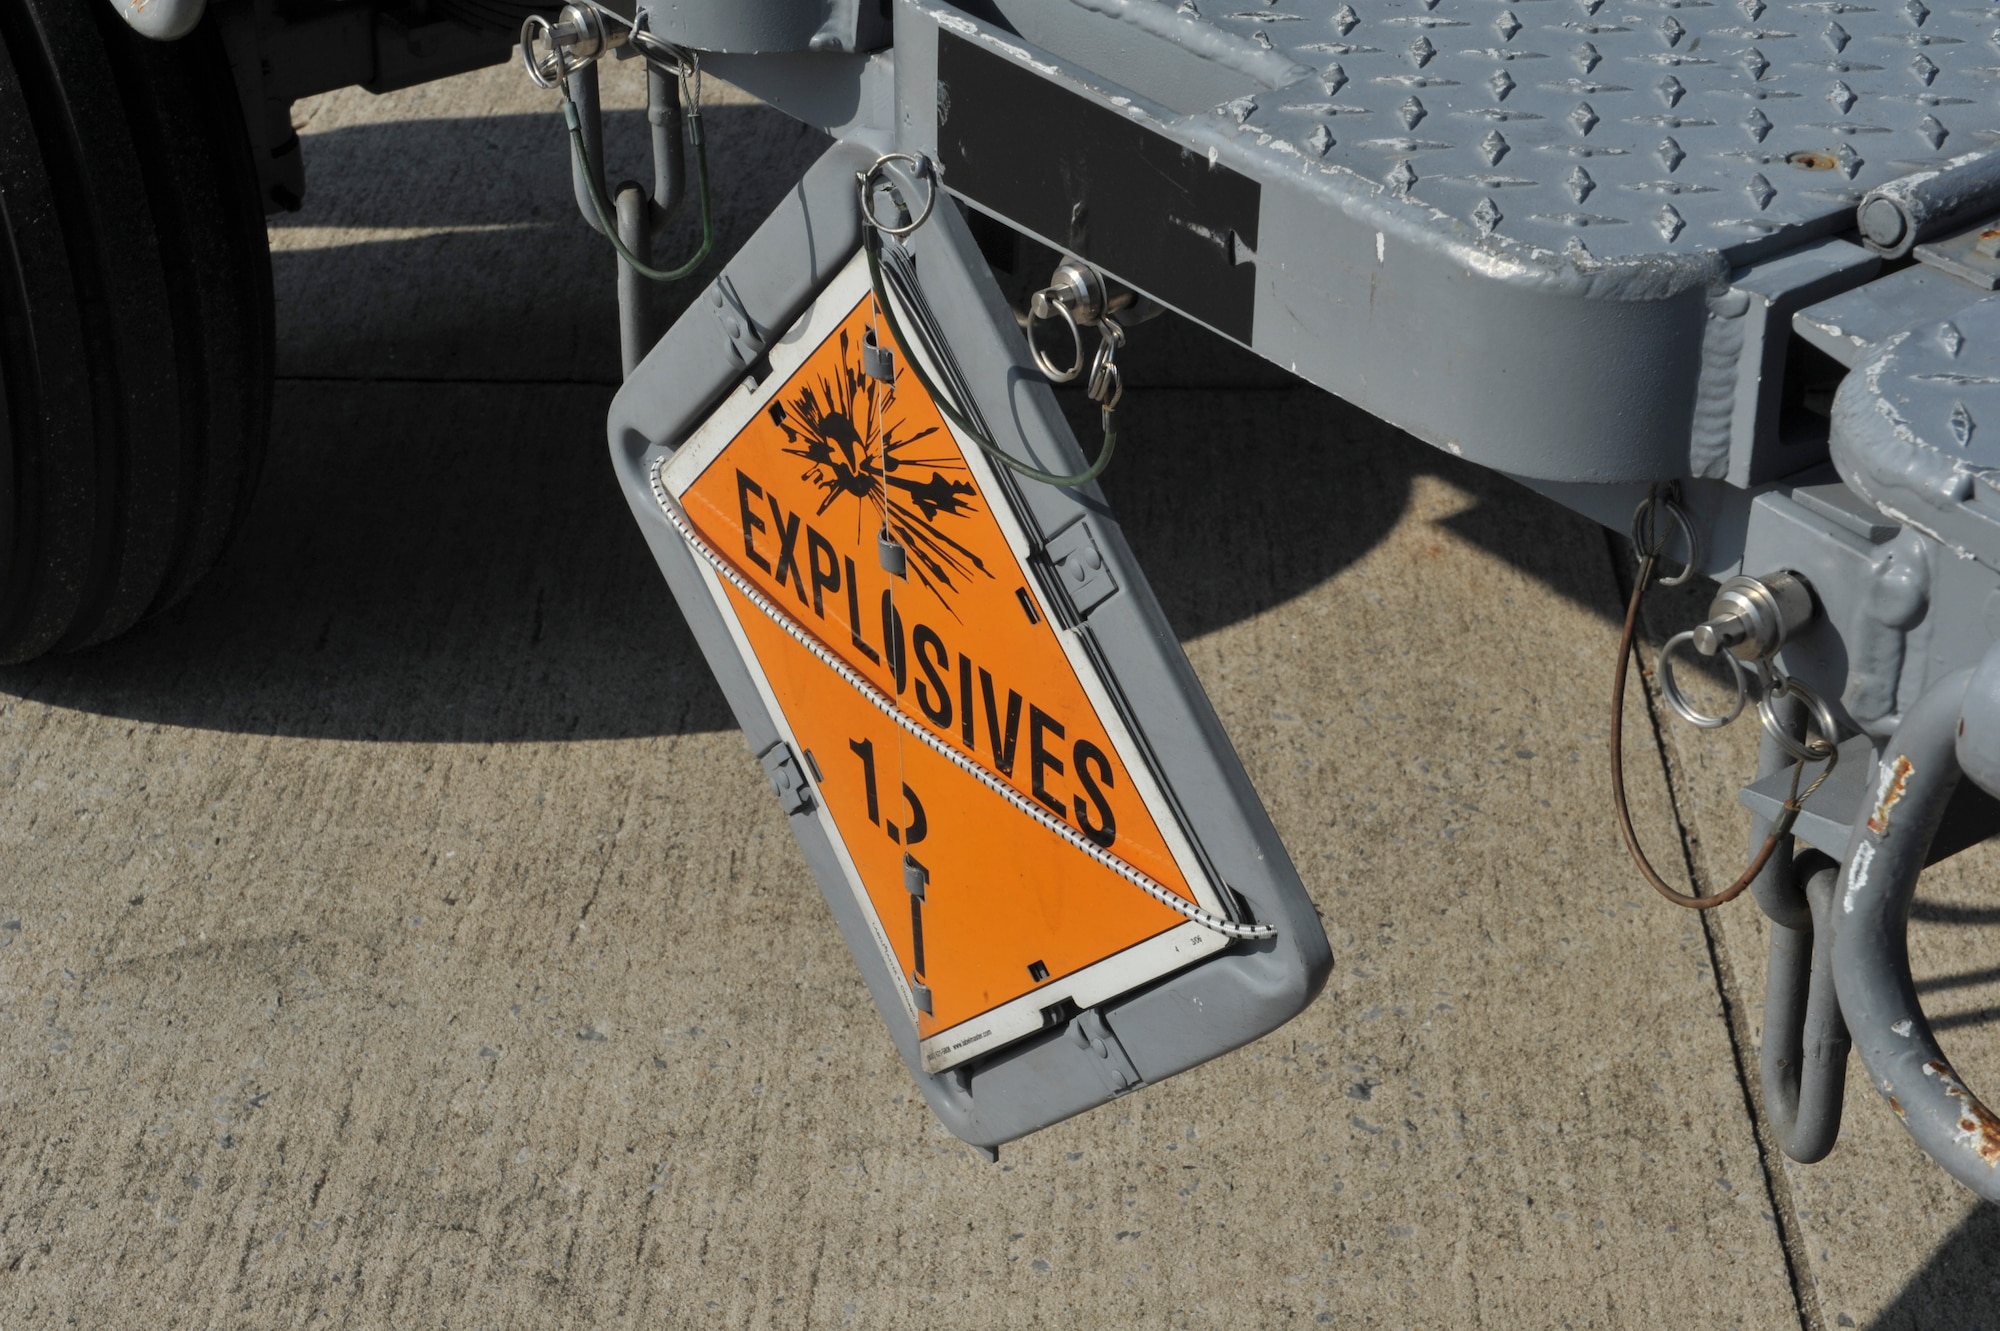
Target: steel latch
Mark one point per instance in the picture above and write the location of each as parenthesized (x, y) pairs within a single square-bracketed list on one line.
[(1085, 579), (788, 782), (1093, 1034), (877, 362), (745, 342)]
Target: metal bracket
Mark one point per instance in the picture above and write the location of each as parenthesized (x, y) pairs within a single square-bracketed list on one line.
[(1093, 1034), (916, 878), (745, 341), (877, 362), (788, 783), (895, 559), (1826, 821), (1080, 563), (1972, 254)]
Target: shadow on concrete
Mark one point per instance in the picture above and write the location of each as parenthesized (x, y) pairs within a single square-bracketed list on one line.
[(453, 562), (423, 562), (1939, 912), (504, 170), (1958, 1289), (439, 553), (452, 248), (1236, 501)]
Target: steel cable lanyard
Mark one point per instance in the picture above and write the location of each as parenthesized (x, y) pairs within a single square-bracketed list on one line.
[(1106, 385), (552, 52), (1650, 535), (1839, 972)]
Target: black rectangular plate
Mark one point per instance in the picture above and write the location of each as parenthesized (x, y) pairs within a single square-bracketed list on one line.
[(1089, 180)]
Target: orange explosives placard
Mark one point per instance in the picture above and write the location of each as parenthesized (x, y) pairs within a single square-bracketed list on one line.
[(812, 486)]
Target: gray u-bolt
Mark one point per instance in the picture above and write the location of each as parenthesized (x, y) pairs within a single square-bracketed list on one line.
[(1803, 1060), (1871, 959), (1804, 1056)]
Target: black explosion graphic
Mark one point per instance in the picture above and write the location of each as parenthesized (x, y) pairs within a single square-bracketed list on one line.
[(856, 450)]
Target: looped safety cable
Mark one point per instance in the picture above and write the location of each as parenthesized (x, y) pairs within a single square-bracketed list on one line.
[(594, 187), (872, 244), (886, 705), (1781, 827)]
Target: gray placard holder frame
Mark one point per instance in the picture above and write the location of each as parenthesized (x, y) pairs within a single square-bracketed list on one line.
[(1235, 996)]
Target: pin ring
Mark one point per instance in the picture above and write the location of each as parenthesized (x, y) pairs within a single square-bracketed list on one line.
[(1678, 700), (1822, 749), (920, 167), (1645, 523), (550, 69), (1056, 374)]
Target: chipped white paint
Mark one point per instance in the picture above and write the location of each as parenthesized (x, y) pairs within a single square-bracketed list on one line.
[(1857, 874), (1904, 1027), (1381, 246), (1207, 233), (1886, 779)]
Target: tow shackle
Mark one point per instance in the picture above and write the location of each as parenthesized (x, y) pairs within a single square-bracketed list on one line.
[(1954, 729)]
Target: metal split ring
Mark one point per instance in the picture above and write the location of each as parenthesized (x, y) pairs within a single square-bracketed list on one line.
[(679, 61), (1645, 526), (1823, 749), (1107, 385), (550, 70), (1678, 700), (1036, 308), (920, 169)]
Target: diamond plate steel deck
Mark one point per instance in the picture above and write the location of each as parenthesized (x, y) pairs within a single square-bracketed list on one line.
[(1536, 233), (1667, 127)]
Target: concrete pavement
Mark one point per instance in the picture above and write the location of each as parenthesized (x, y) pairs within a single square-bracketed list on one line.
[(400, 934)]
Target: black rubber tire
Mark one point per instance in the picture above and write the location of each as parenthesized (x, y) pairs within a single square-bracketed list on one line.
[(136, 343)]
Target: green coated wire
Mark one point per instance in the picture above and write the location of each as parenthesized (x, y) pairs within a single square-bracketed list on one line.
[(595, 189), (873, 246)]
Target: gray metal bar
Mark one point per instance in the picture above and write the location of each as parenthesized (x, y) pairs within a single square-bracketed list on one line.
[(636, 333), (1804, 1058), (1894, 826), (583, 91), (1776, 886), (663, 114), (1895, 216)]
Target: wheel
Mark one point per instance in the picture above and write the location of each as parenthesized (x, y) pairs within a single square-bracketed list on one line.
[(136, 341)]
